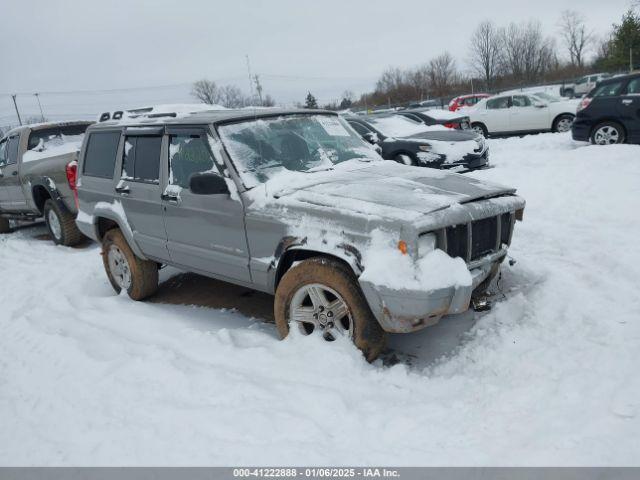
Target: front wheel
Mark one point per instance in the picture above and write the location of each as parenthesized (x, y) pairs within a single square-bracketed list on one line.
[(61, 225), (480, 129), (322, 297), (608, 133), (139, 278), (563, 123)]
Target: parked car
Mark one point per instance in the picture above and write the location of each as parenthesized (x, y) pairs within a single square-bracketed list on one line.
[(465, 101), (432, 116), (412, 143), (426, 104), (584, 85), (292, 203), (610, 113), (37, 177), (522, 113)]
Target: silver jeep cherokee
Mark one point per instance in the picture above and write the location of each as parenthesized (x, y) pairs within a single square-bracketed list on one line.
[(289, 202)]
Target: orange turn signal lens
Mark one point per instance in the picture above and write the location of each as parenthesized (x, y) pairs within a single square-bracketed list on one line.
[(402, 246)]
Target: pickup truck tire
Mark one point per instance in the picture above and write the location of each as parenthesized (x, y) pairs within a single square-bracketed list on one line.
[(4, 225), (61, 225), (126, 271), (325, 296)]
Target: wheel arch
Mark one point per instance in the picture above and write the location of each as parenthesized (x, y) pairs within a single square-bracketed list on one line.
[(105, 220), (602, 120), (345, 254), (562, 114), (44, 189)]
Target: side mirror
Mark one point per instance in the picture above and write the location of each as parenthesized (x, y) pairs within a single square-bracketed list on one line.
[(207, 184), (371, 137)]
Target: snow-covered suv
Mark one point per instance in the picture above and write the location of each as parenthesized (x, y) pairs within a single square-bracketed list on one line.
[(296, 204)]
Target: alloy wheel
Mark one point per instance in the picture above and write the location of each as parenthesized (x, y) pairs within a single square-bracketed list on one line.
[(54, 224), (320, 310), (606, 135), (119, 267)]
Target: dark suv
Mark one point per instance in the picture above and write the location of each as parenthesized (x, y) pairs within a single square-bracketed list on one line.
[(610, 113)]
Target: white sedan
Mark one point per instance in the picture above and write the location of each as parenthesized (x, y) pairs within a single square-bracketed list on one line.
[(522, 113)]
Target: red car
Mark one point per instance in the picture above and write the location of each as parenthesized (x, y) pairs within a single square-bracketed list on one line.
[(466, 101)]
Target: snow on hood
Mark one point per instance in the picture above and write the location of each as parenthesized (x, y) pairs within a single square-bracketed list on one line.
[(385, 189), (399, 126), (439, 114)]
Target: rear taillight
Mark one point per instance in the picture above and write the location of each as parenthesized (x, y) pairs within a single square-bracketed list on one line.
[(584, 103), (452, 125), (72, 178)]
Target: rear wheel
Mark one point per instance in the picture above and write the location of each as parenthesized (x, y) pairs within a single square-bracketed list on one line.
[(562, 123), (61, 225), (4, 225), (608, 133), (139, 278), (322, 297), (480, 129)]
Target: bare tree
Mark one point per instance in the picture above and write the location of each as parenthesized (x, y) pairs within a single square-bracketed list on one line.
[(527, 54), (486, 47), (268, 101), (206, 91), (575, 36), (442, 74), (231, 96)]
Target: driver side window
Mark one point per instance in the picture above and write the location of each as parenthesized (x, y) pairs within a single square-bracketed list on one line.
[(188, 154)]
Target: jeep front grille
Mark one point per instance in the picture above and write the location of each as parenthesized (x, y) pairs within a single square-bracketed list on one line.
[(476, 239)]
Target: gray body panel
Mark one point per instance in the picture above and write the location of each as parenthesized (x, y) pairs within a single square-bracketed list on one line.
[(242, 237)]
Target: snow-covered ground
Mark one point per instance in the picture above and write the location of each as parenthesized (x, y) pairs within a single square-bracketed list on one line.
[(548, 376)]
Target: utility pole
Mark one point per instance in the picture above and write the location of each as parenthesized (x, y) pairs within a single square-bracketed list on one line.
[(250, 77), (39, 105), (630, 59), (15, 104)]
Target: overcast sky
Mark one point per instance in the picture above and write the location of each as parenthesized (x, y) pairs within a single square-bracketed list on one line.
[(328, 45)]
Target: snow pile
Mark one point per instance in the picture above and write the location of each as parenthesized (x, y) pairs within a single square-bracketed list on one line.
[(386, 266), (53, 150), (399, 126), (548, 376)]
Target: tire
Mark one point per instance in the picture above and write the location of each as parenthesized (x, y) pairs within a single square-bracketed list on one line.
[(4, 226), (608, 133), (480, 129), (337, 283), (562, 123), (126, 271), (61, 225), (404, 159)]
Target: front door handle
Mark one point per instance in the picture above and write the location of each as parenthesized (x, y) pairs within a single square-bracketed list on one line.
[(173, 199)]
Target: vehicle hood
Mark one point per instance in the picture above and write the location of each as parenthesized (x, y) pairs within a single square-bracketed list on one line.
[(388, 189), (449, 135)]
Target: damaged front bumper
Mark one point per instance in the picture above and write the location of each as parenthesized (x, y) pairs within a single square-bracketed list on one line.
[(404, 311)]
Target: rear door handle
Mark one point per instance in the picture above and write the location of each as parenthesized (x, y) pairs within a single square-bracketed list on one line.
[(125, 190)]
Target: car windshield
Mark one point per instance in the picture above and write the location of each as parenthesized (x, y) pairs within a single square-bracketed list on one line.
[(545, 97), (396, 126), (263, 148)]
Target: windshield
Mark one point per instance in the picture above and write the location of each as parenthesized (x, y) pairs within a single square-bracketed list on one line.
[(397, 126), (263, 148), (546, 97)]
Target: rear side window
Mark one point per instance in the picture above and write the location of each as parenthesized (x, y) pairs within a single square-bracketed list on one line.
[(608, 90), (634, 87), (141, 159), (100, 158), (361, 129), (520, 101), (497, 103)]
